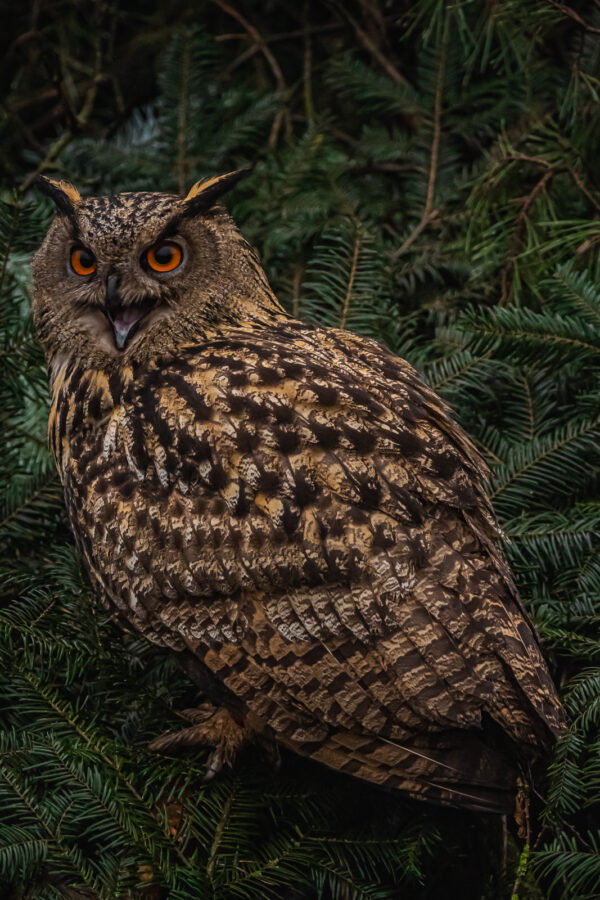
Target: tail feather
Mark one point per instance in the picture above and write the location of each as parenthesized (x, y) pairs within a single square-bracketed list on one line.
[(455, 768)]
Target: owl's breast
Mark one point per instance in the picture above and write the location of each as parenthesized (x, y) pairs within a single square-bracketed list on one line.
[(213, 482), (215, 531), (251, 467)]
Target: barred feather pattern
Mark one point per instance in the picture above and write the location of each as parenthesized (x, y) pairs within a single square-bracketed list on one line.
[(291, 505)]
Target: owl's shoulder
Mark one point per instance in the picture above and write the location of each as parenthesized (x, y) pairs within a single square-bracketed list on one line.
[(296, 385), (291, 360)]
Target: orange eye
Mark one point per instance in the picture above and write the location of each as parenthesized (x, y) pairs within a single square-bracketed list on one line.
[(164, 257), (83, 261)]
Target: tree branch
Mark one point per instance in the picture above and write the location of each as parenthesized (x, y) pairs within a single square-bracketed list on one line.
[(258, 39), (567, 11)]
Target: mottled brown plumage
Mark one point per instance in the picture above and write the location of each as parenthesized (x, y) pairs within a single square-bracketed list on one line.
[(287, 507)]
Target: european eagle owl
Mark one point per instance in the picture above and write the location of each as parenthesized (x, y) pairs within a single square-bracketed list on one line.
[(287, 507)]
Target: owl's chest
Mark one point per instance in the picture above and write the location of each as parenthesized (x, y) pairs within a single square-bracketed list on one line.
[(206, 484), (166, 505), (144, 519)]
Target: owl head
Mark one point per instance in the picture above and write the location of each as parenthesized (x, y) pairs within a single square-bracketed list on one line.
[(127, 277)]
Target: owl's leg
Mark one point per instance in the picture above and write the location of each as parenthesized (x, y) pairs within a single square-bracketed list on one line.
[(213, 726)]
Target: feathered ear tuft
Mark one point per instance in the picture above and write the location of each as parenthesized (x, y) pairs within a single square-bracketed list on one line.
[(66, 197), (205, 193)]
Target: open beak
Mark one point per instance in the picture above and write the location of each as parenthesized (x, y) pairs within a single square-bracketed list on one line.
[(125, 320), (125, 324)]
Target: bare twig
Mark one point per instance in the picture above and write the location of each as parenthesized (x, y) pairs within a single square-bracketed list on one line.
[(80, 121), (248, 53), (257, 38), (523, 157), (437, 121), (371, 47), (351, 279), (298, 272), (528, 849), (307, 68), (214, 847), (567, 11), (44, 612), (584, 189), (515, 244), (182, 117), (285, 35), (428, 212), (536, 190), (577, 178), (393, 168), (421, 225), (273, 134), (39, 97), (372, 11)]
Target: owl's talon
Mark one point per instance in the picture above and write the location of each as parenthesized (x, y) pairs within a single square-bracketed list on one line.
[(215, 764), (213, 727)]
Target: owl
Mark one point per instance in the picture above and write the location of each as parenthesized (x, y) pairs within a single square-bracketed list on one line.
[(286, 507)]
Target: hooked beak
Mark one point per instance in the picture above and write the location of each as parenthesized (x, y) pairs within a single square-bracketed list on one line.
[(125, 320)]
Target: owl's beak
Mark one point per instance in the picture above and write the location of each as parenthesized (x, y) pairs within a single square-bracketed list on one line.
[(124, 319), (124, 324)]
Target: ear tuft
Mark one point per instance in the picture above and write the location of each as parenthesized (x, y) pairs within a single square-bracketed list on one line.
[(206, 192), (65, 196)]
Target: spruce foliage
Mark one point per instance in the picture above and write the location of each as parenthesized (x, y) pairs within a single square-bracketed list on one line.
[(424, 173)]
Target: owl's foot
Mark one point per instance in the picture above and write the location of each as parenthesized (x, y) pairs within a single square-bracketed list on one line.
[(212, 727)]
